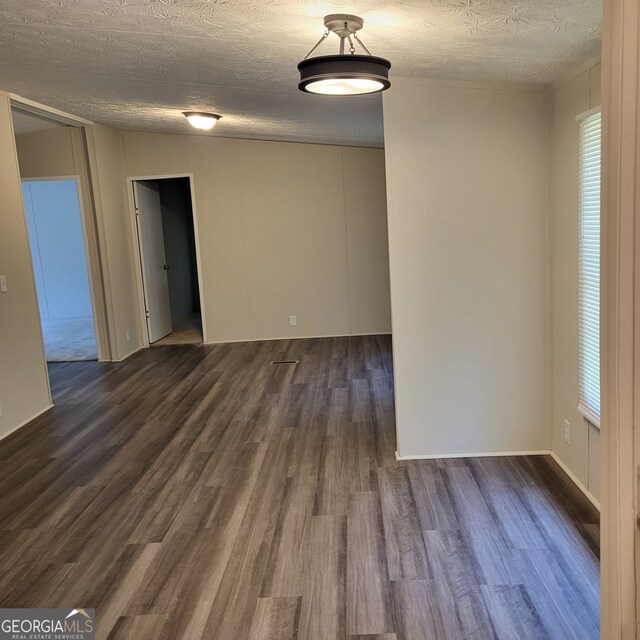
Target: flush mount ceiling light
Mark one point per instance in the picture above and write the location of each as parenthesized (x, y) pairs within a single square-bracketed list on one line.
[(344, 74), (201, 120)]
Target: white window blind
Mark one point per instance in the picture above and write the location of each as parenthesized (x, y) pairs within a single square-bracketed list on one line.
[(589, 269)]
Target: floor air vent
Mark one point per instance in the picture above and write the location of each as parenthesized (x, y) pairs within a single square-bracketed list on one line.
[(285, 361)]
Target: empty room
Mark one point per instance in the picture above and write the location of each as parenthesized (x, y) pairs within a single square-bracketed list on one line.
[(317, 320)]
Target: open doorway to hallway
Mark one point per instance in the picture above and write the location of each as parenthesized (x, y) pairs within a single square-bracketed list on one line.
[(56, 238), (168, 260), (60, 219)]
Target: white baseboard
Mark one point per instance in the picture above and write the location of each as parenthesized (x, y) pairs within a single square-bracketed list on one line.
[(128, 355), (333, 335), (25, 422), (473, 455), (592, 499)]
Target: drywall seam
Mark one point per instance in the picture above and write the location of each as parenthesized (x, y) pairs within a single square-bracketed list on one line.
[(548, 276), (103, 241), (392, 266), (104, 345), (346, 239)]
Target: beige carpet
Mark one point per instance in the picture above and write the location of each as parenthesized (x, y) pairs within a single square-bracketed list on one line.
[(69, 339)]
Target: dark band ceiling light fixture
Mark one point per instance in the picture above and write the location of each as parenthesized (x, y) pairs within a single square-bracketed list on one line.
[(344, 74)]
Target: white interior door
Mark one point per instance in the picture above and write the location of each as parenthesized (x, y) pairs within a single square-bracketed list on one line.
[(154, 267)]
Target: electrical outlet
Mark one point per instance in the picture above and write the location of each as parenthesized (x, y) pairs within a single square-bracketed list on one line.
[(128, 335), (567, 432), (293, 321)]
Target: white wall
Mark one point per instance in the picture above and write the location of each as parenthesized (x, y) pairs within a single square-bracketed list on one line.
[(24, 389), (284, 229), (466, 183), (57, 248), (568, 98)]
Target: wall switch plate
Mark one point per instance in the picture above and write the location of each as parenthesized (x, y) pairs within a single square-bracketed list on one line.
[(567, 432), (128, 335), (293, 321), (3, 284)]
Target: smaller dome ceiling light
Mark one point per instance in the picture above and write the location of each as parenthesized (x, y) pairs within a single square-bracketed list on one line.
[(201, 120), (343, 74)]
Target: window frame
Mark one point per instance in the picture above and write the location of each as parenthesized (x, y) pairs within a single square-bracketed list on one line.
[(589, 264)]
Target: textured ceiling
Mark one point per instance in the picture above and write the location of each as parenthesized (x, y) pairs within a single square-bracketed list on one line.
[(136, 64)]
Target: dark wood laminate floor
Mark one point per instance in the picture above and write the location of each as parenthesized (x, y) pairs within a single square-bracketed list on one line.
[(201, 492)]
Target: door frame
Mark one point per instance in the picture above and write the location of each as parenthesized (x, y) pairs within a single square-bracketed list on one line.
[(620, 322), (99, 327), (91, 220), (135, 237)]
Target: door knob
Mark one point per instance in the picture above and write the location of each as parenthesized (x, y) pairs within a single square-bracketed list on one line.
[(165, 266)]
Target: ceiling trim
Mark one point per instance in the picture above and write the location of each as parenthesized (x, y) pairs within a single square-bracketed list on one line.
[(42, 110), (471, 84), (574, 73)]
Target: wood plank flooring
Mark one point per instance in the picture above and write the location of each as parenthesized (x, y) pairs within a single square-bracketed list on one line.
[(202, 492)]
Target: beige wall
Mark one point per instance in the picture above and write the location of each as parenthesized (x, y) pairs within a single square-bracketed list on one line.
[(284, 229), (48, 153), (60, 152), (24, 388), (567, 99), (466, 185), (107, 164)]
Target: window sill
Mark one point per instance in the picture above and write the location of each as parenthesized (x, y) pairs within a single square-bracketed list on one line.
[(589, 415)]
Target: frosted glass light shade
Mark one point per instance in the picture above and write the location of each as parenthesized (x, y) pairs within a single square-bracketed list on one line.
[(344, 86), (200, 120)]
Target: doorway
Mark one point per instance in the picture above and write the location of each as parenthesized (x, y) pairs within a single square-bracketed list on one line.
[(166, 239), (62, 229), (56, 238)]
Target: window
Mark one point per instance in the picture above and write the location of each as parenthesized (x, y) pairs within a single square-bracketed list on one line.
[(589, 269)]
